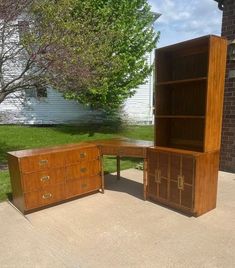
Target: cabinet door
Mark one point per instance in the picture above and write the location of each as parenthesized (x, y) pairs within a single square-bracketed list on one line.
[(163, 174), (188, 164), (175, 167), (152, 186), (181, 180), (158, 178)]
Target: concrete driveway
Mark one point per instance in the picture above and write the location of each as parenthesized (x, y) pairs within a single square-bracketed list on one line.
[(119, 229)]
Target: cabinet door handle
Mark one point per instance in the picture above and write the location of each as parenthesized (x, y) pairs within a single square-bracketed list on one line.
[(158, 176), (83, 170), (181, 182), (43, 162), (82, 155), (47, 196), (45, 178)]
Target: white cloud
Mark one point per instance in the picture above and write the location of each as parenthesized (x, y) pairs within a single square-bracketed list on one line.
[(186, 19)]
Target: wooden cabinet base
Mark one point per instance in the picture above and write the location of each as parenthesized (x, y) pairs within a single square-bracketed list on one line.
[(183, 180), (172, 206)]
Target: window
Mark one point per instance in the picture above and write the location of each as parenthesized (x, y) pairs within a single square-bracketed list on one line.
[(23, 27), (41, 91), (30, 93), (38, 93)]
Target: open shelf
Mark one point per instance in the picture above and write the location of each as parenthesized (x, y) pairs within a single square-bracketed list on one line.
[(182, 81), (182, 65), (183, 133), (181, 116), (181, 100)]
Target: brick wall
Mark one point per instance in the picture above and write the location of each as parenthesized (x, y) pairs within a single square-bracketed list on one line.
[(227, 157)]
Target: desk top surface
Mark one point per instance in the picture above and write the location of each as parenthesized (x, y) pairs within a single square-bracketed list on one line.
[(123, 142)]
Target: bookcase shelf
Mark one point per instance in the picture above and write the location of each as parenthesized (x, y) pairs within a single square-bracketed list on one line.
[(181, 116), (182, 81)]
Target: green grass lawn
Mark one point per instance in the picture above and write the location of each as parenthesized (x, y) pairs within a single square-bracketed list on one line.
[(22, 137)]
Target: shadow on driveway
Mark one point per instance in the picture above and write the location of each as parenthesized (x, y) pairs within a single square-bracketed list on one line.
[(130, 187)]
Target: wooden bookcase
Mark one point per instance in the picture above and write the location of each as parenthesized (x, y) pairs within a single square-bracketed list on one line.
[(188, 119), (189, 94)]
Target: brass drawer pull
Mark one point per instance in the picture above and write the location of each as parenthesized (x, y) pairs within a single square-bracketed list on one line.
[(45, 178), (158, 176), (47, 196), (43, 162), (82, 155), (83, 170), (121, 152), (181, 182), (84, 185)]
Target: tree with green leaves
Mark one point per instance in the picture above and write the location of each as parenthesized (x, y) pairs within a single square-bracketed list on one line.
[(97, 49)]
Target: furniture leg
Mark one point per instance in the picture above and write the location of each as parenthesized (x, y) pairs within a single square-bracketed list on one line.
[(145, 178), (102, 173), (118, 167)]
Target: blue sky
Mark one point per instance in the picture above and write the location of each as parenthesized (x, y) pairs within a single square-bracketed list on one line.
[(186, 19)]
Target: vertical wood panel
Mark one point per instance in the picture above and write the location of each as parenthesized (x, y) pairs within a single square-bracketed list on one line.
[(215, 93)]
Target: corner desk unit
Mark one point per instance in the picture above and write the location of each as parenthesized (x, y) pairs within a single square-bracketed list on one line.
[(180, 170)]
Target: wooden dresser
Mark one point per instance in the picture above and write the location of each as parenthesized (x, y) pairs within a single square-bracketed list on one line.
[(42, 177)]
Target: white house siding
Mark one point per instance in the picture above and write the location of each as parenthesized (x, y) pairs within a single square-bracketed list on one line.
[(17, 109), (139, 108), (51, 110)]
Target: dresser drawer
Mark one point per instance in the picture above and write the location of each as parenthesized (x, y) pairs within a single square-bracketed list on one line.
[(108, 150), (39, 180), (48, 195), (123, 151), (41, 162), (131, 151), (85, 154), (82, 186), (83, 169)]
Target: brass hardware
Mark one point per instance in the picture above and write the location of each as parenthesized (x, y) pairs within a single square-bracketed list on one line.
[(43, 162), (83, 170), (181, 182), (45, 178), (84, 185), (47, 196), (158, 176), (120, 152), (82, 155)]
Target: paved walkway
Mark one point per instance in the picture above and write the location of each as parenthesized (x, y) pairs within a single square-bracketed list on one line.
[(119, 229)]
